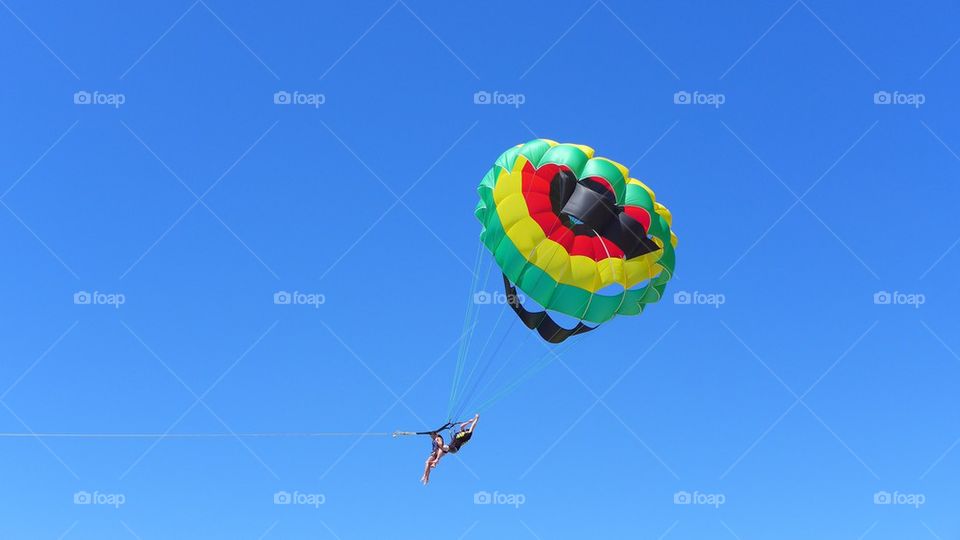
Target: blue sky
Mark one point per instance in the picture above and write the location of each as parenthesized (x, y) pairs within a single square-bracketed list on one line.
[(808, 390)]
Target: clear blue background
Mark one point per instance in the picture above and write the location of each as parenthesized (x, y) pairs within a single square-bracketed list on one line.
[(103, 199)]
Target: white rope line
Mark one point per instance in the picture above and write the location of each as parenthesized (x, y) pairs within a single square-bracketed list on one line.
[(471, 312), (290, 434)]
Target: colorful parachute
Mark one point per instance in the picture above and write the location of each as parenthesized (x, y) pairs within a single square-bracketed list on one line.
[(575, 234)]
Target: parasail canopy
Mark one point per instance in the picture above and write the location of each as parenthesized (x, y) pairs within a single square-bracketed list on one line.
[(575, 234)]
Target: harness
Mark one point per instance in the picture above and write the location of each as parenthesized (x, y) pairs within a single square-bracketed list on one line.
[(435, 432)]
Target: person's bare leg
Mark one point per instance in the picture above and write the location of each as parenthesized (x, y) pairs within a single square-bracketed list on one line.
[(472, 423), (425, 479), (430, 464)]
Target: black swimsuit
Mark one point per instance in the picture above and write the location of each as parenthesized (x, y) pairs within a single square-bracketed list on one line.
[(459, 439)]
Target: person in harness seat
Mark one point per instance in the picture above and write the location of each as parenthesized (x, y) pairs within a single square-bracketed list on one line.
[(460, 437)]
